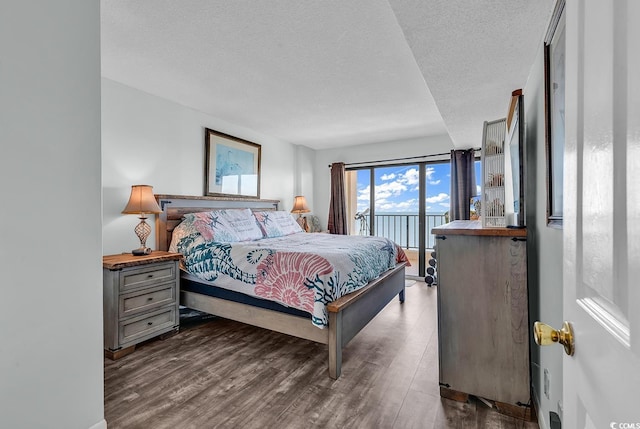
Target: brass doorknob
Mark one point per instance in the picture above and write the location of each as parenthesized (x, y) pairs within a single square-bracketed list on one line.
[(545, 335)]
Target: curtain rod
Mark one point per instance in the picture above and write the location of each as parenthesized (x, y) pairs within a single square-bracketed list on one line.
[(402, 159)]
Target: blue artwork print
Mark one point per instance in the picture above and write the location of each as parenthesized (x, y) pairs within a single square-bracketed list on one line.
[(232, 162)]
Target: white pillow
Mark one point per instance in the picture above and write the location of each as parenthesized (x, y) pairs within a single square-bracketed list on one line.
[(227, 225), (277, 223), (243, 223)]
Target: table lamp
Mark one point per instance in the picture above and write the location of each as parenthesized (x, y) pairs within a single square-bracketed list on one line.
[(142, 202), (300, 206)]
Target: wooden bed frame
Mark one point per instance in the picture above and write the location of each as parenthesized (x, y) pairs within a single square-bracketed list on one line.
[(347, 315)]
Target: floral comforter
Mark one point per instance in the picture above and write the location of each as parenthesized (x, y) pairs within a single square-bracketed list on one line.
[(304, 271)]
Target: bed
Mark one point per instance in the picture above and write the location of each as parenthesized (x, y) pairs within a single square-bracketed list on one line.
[(346, 315)]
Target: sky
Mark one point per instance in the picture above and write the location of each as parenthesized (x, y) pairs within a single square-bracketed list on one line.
[(396, 188)]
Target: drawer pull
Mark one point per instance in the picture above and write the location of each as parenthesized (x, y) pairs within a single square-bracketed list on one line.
[(150, 276), (150, 298), (149, 323)]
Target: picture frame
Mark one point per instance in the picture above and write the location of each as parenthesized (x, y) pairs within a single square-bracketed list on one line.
[(515, 139), (554, 79), (232, 166)]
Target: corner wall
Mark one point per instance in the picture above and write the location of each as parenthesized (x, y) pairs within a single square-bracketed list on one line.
[(544, 250), (51, 358), (305, 174), (150, 140)]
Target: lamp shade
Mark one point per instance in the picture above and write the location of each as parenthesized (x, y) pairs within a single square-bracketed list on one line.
[(141, 201), (300, 205)]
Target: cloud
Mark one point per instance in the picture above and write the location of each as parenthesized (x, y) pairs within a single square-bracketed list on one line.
[(383, 194), (438, 198), (386, 206), (410, 177), (391, 188), (383, 191), (446, 205), (410, 205), (363, 194), (396, 186), (402, 182)]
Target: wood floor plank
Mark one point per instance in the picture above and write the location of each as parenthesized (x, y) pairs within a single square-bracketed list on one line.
[(494, 420), (224, 374), (392, 390), (419, 410), (427, 378), (456, 415)]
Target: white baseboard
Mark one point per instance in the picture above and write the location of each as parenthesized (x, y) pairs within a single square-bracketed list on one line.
[(100, 425)]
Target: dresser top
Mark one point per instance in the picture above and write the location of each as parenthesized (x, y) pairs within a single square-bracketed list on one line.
[(474, 227), (123, 260)]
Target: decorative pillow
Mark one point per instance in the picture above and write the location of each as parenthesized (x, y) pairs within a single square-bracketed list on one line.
[(243, 223), (183, 236), (227, 226), (267, 224), (277, 223), (210, 226)]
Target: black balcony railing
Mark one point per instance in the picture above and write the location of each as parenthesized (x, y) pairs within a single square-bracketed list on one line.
[(404, 229)]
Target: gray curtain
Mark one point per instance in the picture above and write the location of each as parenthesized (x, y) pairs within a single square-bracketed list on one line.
[(463, 183), (337, 205)]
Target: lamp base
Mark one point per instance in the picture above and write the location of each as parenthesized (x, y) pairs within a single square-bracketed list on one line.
[(302, 221), (142, 230), (141, 251)]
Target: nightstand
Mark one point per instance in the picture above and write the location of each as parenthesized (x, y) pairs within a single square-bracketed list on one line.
[(140, 299)]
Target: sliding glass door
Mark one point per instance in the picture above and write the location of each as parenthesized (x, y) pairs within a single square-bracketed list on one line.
[(391, 201), (403, 203)]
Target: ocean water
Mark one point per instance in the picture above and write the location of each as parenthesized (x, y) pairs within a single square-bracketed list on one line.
[(402, 228)]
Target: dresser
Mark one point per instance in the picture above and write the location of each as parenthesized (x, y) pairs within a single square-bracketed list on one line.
[(140, 299), (483, 319)]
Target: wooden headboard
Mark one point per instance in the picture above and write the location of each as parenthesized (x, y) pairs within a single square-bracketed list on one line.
[(175, 206)]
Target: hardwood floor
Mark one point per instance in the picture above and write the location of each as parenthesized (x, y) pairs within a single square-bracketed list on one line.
[(225, 374)]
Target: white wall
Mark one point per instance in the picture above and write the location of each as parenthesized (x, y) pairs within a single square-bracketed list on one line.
[(544, 246), (305, 173), (153, 141), (51, 364), (370, 152)]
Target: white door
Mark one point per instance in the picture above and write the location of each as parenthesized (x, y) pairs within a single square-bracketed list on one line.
[(601, 382)]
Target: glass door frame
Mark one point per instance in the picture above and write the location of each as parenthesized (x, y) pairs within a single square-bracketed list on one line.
[(422, 205)]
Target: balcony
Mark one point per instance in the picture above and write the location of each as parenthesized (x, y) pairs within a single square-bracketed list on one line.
[(404, 230)]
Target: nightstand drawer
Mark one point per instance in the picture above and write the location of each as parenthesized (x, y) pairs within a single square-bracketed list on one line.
[(147, 299), (132, 278), (147, 325)]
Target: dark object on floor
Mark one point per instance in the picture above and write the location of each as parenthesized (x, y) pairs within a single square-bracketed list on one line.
[(432, 274), (191, 316)]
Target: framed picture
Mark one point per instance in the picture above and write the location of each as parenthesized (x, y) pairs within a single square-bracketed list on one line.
[(554, 77), (232, 166), (515, 140)]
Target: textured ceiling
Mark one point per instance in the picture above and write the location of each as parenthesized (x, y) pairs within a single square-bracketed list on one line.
[(329, 73), (473, 54)]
